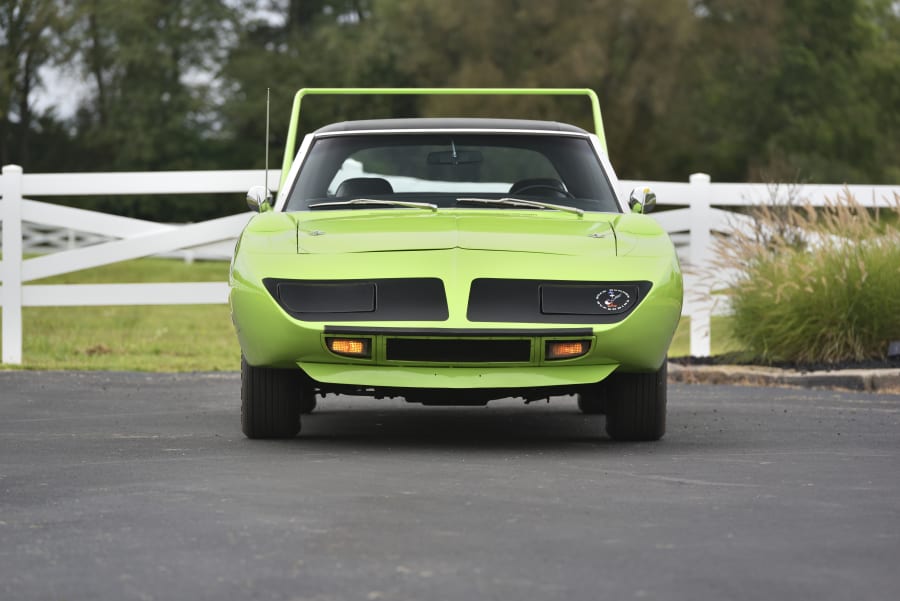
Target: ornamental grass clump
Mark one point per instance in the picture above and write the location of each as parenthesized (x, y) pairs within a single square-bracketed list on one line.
[(815, 285)]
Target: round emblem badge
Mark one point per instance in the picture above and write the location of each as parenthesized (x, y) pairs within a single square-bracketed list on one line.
[(614, 300)]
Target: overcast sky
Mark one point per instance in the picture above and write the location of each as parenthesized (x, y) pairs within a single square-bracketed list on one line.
[(61, 90)]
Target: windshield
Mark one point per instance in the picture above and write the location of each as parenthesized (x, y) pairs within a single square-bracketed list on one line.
[(442, 168)]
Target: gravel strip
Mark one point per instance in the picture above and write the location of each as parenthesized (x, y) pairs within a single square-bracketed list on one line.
[(870, 380)]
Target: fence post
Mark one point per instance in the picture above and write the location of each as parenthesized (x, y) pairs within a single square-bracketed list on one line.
[(11, 247), (701, 248)]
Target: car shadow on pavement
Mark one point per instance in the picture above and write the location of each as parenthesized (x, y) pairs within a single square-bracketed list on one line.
[(506, 426)]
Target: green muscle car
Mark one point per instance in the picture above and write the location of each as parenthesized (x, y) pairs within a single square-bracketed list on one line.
[(453, 261)]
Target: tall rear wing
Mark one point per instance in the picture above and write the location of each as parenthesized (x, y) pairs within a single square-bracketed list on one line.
[(290, 144)]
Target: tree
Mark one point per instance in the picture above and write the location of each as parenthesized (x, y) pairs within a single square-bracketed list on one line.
[(631, 52), (28, 30), (822, 119), (326, 44), (150, 67), (787, 91), (743, 89), (720, 108)]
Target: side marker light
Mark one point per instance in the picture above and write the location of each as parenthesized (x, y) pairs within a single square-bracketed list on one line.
[(567, 349), (351, 347)]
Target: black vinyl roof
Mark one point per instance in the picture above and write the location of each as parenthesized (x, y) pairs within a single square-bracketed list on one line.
[(450, 123)]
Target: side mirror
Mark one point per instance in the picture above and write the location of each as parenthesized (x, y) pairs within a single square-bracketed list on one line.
[(259, 199), (642, 200)]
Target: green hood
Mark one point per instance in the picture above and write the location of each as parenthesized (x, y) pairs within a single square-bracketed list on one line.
[(391, 230)]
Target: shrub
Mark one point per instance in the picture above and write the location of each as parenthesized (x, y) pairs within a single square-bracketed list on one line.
[(815, 285)]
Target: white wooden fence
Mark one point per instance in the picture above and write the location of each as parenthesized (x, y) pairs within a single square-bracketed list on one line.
[(40, 239), (111, 238)]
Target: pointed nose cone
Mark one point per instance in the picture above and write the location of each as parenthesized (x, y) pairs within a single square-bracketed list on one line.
[(391, 230)]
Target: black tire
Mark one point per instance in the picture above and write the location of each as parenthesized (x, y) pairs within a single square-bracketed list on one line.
[(593, 400), (270, 402), (307, 402), (636, 406), (591, 405)]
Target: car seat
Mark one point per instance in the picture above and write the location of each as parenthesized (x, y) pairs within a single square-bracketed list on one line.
[(538, 186), (360, 187)]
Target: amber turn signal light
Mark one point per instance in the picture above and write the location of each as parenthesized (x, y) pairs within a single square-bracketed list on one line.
[(567, 349), (350, 347)]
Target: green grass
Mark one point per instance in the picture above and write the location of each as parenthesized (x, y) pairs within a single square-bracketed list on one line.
[(172, 338), (144, 338)]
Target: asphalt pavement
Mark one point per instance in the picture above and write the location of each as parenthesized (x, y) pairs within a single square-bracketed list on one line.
[(141, 486)]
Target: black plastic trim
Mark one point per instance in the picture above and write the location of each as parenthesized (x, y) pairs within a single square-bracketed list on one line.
[(318, 297), (456, 350), (395, 299), (507, 300)]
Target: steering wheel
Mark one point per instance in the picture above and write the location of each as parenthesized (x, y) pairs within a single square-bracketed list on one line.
[(557, 189)]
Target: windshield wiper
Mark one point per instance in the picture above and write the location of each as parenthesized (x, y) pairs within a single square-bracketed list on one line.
[(519, 202), (372, 201)]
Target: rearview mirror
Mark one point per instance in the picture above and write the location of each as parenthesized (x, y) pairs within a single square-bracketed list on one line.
[(642, 200), (259, 199), (459, 157)]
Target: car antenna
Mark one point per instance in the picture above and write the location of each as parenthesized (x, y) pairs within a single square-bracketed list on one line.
[(268, 93)]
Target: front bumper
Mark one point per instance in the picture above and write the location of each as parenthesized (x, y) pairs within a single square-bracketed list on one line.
[(270, 336)]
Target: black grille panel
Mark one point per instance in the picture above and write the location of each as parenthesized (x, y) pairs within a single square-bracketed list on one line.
[(454, 350), (389, 299), (503, 300)]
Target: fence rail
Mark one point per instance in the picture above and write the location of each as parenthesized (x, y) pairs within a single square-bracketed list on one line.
[(83, 239)]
